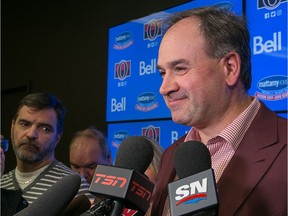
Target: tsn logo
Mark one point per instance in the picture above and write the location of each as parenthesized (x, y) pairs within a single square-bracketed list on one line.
[(110, 180), (140, 191), (120, 182), (192, 193)]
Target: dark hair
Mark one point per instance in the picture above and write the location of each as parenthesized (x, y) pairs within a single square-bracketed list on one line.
[(43, 100), (94, 133), (224, 32)]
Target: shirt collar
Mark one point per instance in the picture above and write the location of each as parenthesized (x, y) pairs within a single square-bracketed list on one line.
[(235, 131)]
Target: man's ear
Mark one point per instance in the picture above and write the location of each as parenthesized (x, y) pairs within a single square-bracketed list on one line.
[(232, 66), (58, 137)]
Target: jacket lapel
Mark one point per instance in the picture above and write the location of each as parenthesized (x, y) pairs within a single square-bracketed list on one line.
[(251, 160)]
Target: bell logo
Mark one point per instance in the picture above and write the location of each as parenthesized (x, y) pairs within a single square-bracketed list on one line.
[(192, 193), (259, 46), (118, 106)]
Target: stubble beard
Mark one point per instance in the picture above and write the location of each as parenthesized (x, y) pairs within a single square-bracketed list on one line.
[(29, 152)]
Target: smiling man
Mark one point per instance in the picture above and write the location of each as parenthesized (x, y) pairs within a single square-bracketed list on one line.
[(204, 60)]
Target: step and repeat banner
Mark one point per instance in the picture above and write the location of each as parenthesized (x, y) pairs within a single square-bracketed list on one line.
[(267, 21), (164, 132), (134, 104)]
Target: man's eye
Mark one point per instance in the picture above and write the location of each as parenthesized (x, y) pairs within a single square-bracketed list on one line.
[(181, 70), (46, 129), (162, 73), (23, 124)]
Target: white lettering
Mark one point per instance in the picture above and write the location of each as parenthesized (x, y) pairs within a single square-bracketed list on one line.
[(268, 83), (149, 69), (183, 191), (197, 186), (118, 106), (269, 46), (174, 136)]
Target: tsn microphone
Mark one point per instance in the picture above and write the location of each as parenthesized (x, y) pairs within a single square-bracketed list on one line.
[(77, 206), (195, 192), (124, 184), (55, 199)]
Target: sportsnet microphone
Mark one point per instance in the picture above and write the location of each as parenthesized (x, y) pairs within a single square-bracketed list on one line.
[(195, 193), (124, 184), (55, 199)]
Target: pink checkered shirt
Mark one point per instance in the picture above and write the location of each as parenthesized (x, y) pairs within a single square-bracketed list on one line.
[(223, 146)]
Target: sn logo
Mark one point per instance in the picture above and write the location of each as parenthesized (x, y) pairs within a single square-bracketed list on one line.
[(190, 189)]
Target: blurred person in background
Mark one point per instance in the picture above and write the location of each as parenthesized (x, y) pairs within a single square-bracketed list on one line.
[(88, 148), (152, 170), (36, 129)]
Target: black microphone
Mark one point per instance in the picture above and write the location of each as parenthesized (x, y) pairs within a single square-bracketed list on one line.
[(195, 192), (77, 206), (55, 199), (125, 184), (102, 208)]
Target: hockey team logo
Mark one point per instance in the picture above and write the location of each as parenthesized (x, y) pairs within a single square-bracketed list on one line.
[(123, 41), (153, 29), (122, 70), (191, 193), (146, 102), (151, 132), (269, 4)]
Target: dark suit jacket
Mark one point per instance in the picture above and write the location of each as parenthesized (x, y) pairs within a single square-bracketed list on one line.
[(12, 202), (255, 180)]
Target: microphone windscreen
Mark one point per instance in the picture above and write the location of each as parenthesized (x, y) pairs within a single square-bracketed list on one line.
[(134, 153), (191, 157), (55, 199), (77, 206)]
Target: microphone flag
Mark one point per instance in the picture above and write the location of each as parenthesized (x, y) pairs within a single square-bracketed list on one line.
[(192, 194), (125, 185)]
